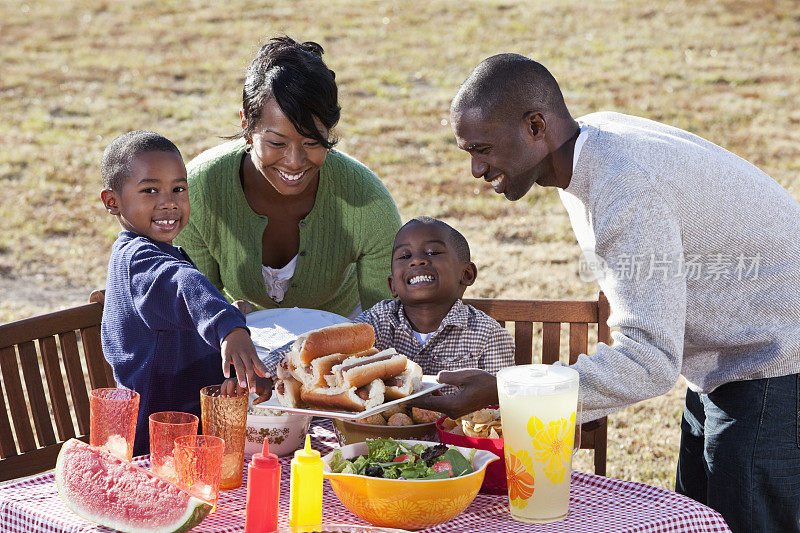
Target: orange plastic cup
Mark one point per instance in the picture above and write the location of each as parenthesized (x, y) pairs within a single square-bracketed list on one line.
[(198, 465), (226, 417), (165, 427), (112, 420)]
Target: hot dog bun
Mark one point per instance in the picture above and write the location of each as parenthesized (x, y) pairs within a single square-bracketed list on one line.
[(349, 399), (347, 338), (404, 384), (323, 366), (358, 371), (284, 369), (288, 392)]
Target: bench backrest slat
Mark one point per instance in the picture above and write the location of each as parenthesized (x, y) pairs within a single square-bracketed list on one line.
[(30, 345), (579, 314)]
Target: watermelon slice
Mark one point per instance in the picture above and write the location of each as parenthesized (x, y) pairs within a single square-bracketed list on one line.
[(99, 487)]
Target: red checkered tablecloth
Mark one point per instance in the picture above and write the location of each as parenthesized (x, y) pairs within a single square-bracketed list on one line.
[(596, 504)]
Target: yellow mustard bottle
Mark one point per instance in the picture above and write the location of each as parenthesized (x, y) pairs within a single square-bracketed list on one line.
[(305, 495)]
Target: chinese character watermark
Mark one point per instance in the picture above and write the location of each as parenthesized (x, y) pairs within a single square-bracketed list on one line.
[(692, 267)]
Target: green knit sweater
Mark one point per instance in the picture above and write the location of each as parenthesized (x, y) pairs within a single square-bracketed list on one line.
[(345, 241)]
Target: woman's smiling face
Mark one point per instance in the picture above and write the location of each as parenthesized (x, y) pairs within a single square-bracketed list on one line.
[(289, 161)]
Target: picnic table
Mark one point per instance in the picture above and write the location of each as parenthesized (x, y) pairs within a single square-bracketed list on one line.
[(597, 503)]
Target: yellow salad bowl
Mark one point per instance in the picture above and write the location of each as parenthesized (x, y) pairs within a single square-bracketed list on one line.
[(406, 503)]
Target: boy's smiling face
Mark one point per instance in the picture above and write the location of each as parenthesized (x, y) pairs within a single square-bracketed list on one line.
[(426, 267), (154, 198)]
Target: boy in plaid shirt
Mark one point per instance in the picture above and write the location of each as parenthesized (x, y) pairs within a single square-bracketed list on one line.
[(428, 322)]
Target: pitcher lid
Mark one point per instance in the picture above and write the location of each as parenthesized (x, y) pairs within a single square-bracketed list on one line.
[(537, 380)]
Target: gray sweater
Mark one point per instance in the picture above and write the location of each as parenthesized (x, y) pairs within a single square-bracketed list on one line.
[(698, 252)]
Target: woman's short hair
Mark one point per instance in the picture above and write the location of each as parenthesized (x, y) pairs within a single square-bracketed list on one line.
[(295, 75)]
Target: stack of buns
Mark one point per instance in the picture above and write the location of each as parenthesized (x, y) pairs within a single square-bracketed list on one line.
[(338, 368)]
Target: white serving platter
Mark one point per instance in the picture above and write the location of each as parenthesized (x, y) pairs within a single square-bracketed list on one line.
[(429, 384)]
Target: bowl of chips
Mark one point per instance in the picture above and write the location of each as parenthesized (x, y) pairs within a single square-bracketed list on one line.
[(482, 430), (397, 422)]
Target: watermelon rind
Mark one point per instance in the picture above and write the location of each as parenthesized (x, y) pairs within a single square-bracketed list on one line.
[(196, 509)]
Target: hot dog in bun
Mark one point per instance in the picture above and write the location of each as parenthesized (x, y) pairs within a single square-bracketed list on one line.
[(337, 368), (349, 338), (314, 375), (405, 383), (348, 399), (359, 370)]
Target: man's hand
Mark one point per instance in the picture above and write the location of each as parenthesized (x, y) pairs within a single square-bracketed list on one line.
[(244, 306), (238, 349), (263, 389), (476, 390)]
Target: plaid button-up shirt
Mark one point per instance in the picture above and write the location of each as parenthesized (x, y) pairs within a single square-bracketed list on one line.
[(466, 338)]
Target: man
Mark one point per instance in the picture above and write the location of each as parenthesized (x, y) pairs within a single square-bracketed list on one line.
[(699, 256)]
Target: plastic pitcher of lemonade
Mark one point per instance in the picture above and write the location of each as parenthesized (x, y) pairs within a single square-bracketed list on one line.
[(539, 407)]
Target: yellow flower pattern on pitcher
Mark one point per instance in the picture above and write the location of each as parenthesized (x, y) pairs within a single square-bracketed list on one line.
[(552, 445)]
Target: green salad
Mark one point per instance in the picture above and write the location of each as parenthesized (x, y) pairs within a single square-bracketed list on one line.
[(388, 458)]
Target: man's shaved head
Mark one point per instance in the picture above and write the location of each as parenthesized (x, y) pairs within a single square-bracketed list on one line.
[(506, 86)]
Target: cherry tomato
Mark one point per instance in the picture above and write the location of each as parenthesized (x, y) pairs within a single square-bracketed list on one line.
[(443, 466)]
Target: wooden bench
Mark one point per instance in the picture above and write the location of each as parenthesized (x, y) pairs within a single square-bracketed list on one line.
[(48, 348), (579, 314)]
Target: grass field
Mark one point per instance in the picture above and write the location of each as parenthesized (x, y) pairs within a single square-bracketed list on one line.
[(75, 74)]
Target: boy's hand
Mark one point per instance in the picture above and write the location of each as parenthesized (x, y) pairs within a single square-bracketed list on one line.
[(476, 390), (238, 349), (230, 387), (263, 389)]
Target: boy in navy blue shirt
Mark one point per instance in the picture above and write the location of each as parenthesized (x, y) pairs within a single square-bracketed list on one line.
[(165, 325)]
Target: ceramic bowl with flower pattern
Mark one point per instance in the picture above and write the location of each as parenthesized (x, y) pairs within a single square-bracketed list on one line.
[(286, 431)]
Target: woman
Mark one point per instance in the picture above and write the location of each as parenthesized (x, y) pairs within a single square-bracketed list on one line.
[(278, 217)]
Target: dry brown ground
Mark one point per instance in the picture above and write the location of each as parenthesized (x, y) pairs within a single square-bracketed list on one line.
[(76, 73)]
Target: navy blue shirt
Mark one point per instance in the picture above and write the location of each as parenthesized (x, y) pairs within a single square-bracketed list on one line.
[(163, 323)]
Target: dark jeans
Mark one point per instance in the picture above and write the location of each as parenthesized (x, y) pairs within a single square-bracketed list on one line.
[(740, 453)]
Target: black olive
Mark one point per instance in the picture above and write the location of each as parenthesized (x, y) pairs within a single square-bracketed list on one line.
[(374, 471), (434, 452)]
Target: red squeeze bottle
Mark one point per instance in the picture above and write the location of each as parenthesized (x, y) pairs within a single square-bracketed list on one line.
[(263, 492)]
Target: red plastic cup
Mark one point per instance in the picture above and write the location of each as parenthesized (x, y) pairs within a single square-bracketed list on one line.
[(198, 465), (112, 420), (165, 427)]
